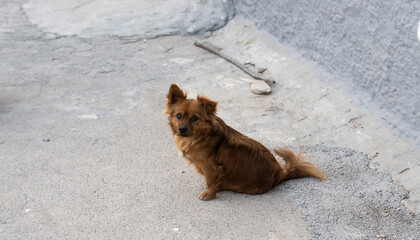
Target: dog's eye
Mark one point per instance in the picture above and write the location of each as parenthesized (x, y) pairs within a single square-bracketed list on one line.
[(194, 119), (178, 116)]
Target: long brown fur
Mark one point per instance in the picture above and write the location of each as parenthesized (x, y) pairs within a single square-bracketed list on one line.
[(228, 159)]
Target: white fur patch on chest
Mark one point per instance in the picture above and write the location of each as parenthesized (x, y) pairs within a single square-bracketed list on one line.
[(185, 155)]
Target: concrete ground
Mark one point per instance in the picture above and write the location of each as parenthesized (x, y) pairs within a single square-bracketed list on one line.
[(86, 153)]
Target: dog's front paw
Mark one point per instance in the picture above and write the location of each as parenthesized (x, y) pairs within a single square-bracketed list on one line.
[(207, 195)]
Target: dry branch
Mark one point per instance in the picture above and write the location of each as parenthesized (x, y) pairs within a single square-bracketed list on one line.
[(213, 49)]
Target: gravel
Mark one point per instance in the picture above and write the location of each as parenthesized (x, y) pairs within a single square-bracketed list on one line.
[(354, 202)]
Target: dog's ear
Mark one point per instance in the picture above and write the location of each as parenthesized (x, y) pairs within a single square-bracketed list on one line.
[(209, 105), (175, 94)]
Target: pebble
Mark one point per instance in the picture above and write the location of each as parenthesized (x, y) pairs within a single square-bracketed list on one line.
[(260, 87), (385, 214), (88, 116), (181, 60), (262, 70)]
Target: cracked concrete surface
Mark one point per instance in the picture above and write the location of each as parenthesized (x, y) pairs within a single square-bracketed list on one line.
[(85, 151)]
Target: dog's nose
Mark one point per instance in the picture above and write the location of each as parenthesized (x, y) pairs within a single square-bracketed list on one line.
[(182, 129)]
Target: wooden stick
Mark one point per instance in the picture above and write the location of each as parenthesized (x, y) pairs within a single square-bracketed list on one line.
[(211, 48)]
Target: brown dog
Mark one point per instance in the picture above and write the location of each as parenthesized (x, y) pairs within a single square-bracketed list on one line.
[(228, 159)]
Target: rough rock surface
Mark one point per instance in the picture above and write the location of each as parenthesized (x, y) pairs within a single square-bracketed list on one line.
[(128, 19)]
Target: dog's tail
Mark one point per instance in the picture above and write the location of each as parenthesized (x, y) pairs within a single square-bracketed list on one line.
[(296, 166)]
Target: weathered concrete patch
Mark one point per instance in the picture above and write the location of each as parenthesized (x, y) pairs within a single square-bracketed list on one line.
[(132, 18)]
